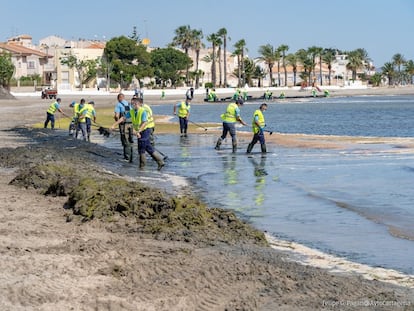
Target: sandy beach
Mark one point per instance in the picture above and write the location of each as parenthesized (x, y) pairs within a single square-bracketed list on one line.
[(52, 259)]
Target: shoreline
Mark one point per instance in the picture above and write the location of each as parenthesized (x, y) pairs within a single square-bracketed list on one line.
[(98, 267), (291, 93)]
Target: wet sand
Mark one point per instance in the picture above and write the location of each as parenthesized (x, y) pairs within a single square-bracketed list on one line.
[(48, 263)]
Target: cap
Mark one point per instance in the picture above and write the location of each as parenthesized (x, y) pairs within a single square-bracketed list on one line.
[(91, 102), (239, 101), (72, 104)]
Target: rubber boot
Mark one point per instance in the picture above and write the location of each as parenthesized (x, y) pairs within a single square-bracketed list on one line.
[(263, 146), (142, 160), (218, 144), (158, 159), (234, 147), (249, 148)]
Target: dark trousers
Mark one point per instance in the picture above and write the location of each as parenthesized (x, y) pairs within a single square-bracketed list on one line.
[(229, 128), (125, 131), (258, 137), (50, 117), (144, 142), (183, 125)]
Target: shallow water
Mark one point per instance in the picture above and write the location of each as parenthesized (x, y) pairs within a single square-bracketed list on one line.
[(354, 203)]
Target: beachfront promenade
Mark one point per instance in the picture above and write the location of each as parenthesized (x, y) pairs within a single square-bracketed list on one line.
[(200, 94)]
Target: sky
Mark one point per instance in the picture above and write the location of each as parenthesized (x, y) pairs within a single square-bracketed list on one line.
[(381, 27)]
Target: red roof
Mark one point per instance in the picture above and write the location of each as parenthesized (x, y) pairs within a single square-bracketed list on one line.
[(20, 50)]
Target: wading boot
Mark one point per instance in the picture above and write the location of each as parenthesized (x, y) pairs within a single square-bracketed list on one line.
[(263, 146), (158, 159), (234, 147), (249, 148), (142, 160), (218, 144)]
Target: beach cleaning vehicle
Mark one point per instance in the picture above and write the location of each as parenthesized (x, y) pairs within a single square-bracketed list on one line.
[(49, 93)]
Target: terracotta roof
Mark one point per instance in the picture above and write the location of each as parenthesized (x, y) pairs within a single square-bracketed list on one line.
[(22, 50), (96, 45)]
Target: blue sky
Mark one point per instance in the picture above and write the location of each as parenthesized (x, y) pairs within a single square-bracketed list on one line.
[(382, 27)]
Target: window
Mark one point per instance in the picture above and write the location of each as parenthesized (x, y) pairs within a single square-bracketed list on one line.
[(31, 64)]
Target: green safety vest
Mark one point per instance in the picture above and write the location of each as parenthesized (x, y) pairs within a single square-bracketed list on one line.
[(183, 110), (52, 108), (90, 111), (79, 111), (230, 115), (136, 118), (150, 117), (259, 114)]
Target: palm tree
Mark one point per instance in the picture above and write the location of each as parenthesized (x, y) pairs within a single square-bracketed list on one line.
[(398, 60), (357, 60), (219, 42), (389, 71), (315, 52), (409, 69), (239, 51), (213, 38), (184, 39), (268, 56), (223, 34), (292, 60), (328, 57), (307, 61), (283, 49), (197, 45)]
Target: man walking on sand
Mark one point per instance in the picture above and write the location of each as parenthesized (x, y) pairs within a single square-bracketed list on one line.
[(230, 117), (50, 113), (183, 115), (258, 124), (139, 119), (125, 127)]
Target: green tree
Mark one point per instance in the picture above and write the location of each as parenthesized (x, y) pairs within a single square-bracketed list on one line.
[(409, 69), (388, 71), (85, 68), (268, 56), (328, 57), (398, 60), (357, 60), (184, 38), (197, 45), (215, 41), (306, 58), (240, 46), (6, 69), (126, 55), (376, 79), (292, 60), (282, 50), (168, 64), (223, 34)]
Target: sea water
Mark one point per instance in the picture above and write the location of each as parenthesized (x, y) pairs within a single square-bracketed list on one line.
[(356, 203)]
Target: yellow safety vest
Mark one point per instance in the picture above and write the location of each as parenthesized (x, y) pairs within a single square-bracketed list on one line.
[(79, 112), (230, 115), (90, 110), (136, 118), (259, 114), (75, 109), (52, 108), (183, 110), (150, 117)]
